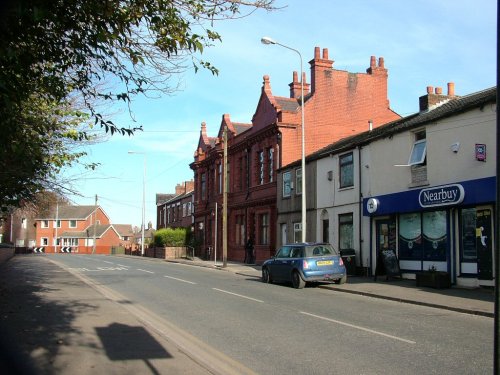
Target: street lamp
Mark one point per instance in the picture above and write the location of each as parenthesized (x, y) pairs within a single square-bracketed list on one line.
[(143, 198), (267, 40)]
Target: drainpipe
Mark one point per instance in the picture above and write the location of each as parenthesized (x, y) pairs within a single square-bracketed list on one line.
[(360, 209)]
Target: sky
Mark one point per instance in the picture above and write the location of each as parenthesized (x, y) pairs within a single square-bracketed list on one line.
[(423, 42)]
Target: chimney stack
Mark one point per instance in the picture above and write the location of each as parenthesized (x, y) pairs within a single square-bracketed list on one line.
[(435, 96)]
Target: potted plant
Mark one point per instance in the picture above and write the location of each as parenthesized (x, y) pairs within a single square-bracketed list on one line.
[(433, 278)]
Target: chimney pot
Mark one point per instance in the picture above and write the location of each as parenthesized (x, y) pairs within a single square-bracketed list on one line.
[(430, 89), (316, 53), (373, 63), (325, 53), (439, 90), (381, 62), (451, 89)]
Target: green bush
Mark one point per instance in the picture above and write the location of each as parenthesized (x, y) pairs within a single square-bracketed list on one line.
[(170, 237)]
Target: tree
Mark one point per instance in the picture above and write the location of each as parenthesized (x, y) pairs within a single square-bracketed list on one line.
[(52, 51)]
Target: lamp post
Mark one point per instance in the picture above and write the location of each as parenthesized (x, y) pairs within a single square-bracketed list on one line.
[(267, 40), (143, 199)]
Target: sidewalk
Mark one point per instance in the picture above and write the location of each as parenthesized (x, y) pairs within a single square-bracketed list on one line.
[(477, 301)]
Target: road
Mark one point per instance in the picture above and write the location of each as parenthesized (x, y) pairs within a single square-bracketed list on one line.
[(275, 329)]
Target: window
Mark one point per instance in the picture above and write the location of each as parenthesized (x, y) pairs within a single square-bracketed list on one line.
[(284, 252), (72, 223), (298, 181), (24, 223), (184, 210), (70, 242), (45, 223), (346, 232), (44, 241), (271, 164), (287, 188), (264, 229), (203, 186), (346, 168), (240, 230), (297, 232), (419, 149), (261, 167), (220, 178), (423, 236)]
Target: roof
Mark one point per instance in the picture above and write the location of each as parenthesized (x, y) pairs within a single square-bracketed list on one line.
[(69, 213), (450, 108), (240, 127), (162, 198), (287, 104), (88, 232), (124, 230)]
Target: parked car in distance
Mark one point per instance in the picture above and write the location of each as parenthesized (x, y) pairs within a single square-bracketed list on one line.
[(300, 263)]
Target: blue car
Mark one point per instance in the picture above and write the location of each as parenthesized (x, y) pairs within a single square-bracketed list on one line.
[(299, 263)]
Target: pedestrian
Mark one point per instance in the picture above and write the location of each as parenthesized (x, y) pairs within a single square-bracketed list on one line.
[(249, 251)]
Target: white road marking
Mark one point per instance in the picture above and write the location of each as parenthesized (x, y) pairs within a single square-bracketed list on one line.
[(238, 295), (184, 281), (106, 261), (145, 270), (121, 265), (359, 327)]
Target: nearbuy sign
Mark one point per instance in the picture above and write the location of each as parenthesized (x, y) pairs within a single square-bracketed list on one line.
[(446, 195)]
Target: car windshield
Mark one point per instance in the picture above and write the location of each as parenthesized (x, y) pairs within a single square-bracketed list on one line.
[(320, 250)]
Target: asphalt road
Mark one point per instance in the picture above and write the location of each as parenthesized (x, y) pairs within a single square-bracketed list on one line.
[(275, 329)]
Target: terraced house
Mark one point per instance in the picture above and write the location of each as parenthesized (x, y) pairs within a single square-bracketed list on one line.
[(337, 104)]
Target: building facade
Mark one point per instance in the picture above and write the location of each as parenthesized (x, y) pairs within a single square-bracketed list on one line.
[(84, 229), (423, 186), (176, 210), (337, 104)]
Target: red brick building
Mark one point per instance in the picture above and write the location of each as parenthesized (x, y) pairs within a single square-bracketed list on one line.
[(76, 227), (337, 104)]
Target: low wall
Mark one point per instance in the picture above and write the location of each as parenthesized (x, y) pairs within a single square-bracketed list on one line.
[(166, 252)]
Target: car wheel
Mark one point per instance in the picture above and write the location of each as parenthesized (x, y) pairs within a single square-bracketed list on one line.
[(297, 281), (266, 276), (342, 280)]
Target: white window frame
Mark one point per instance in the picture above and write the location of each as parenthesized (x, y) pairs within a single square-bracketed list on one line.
[(44, 241), (297, 232), (70, 222), (287, 184), (417, 149), (298, 181), (57, 223), (45, 223)]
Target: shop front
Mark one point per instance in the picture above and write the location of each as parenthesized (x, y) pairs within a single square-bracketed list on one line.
[(443, 228)]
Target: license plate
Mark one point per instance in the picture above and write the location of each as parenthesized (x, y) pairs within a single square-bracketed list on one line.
[(324, 262)]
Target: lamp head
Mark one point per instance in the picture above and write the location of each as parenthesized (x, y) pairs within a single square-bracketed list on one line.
[(267, 40)]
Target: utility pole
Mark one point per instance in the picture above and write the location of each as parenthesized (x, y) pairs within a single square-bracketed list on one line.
[(224, 203), (57, 219), (95, 224)]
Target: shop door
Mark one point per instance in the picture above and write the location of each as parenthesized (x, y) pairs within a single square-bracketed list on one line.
[(386, 235), (385, 231), (484, 244)]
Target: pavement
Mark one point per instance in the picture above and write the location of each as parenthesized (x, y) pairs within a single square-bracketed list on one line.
[(56, 322)]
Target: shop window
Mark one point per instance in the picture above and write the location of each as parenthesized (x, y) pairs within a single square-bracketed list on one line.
[(346, 168), (419, 150), (298, 181), (424, 236), (346, 232), (287, 188)]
